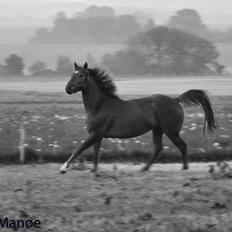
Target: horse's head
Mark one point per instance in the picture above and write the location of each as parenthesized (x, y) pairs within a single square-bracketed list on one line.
[(79, 79)]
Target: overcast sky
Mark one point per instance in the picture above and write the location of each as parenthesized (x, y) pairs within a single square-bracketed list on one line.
[(212, 11)]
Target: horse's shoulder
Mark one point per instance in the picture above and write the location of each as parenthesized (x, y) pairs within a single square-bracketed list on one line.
[(99, 122)]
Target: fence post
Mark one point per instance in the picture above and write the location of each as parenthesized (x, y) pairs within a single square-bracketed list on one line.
[(22, 143)]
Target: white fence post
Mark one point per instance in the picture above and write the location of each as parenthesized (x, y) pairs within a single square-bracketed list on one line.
[(22, 143)]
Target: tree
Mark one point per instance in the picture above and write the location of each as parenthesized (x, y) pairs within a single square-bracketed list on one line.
[(60, 16), (149, 25), (61, 28), (3, 70), (41, 35), (99, 30), (228, 35), (176, 51), (165, 51), (191, 54), (125, 62), (14, 65), (38, 68), (127, 26), (154, 47), (64, 66), (188, 20), (94, 25), (96, 11)]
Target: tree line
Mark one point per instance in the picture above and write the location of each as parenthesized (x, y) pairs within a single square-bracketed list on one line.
[(14, 66), (161, 51), (165, 51), (189, 20), (179, 48), (102, 25), (94, 25)]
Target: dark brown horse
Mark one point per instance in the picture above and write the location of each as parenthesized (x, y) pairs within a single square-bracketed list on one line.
[(108, 116)]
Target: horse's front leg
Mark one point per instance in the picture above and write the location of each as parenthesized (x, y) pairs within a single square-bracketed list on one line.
[(93, 138)]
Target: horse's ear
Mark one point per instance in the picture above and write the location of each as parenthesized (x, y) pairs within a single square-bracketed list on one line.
[(85, 65), (75, 66)]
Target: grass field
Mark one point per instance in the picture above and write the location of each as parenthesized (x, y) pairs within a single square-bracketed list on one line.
[(55, 125), (163, 200), (118, 198), (127, 85)]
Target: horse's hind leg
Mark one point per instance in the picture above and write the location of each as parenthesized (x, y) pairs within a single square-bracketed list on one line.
[(178, 141), (97, 146), (157, 140)]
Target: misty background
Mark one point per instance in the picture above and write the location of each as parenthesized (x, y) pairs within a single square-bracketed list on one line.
[(45, 36)]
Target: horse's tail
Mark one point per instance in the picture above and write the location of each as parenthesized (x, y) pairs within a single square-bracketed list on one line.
[(199, 97)]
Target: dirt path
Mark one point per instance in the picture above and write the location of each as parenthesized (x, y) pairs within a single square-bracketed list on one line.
[(194, 167)]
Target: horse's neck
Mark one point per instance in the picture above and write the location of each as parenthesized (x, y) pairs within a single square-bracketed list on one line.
[(93, 98)]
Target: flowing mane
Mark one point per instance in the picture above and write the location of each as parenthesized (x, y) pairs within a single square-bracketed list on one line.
[(104, 82)]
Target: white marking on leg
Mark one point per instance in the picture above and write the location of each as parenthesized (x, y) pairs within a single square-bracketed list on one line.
[(64, 167)]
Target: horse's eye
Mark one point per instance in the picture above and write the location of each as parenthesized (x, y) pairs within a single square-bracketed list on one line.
[(81, 75)]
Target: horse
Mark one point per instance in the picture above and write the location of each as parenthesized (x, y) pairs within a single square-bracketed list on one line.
[(109, 116)]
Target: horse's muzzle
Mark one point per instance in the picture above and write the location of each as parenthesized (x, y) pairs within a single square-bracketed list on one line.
[(68, 90), (72, 89)]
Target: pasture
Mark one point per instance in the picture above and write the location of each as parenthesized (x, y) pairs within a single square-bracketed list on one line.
[(140, 85), (164, 199), (119, 198), (55, 123)]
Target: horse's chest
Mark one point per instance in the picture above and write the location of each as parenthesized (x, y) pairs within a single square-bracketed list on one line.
[(98, 122)]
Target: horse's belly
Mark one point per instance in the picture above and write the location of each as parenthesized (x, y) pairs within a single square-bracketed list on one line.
[(128, 129)]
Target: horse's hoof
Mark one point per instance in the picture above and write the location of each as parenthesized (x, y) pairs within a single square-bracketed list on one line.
[(185, 168), (62, 172), (63, 168), (145, 169), (96, 174), (93, 170)]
